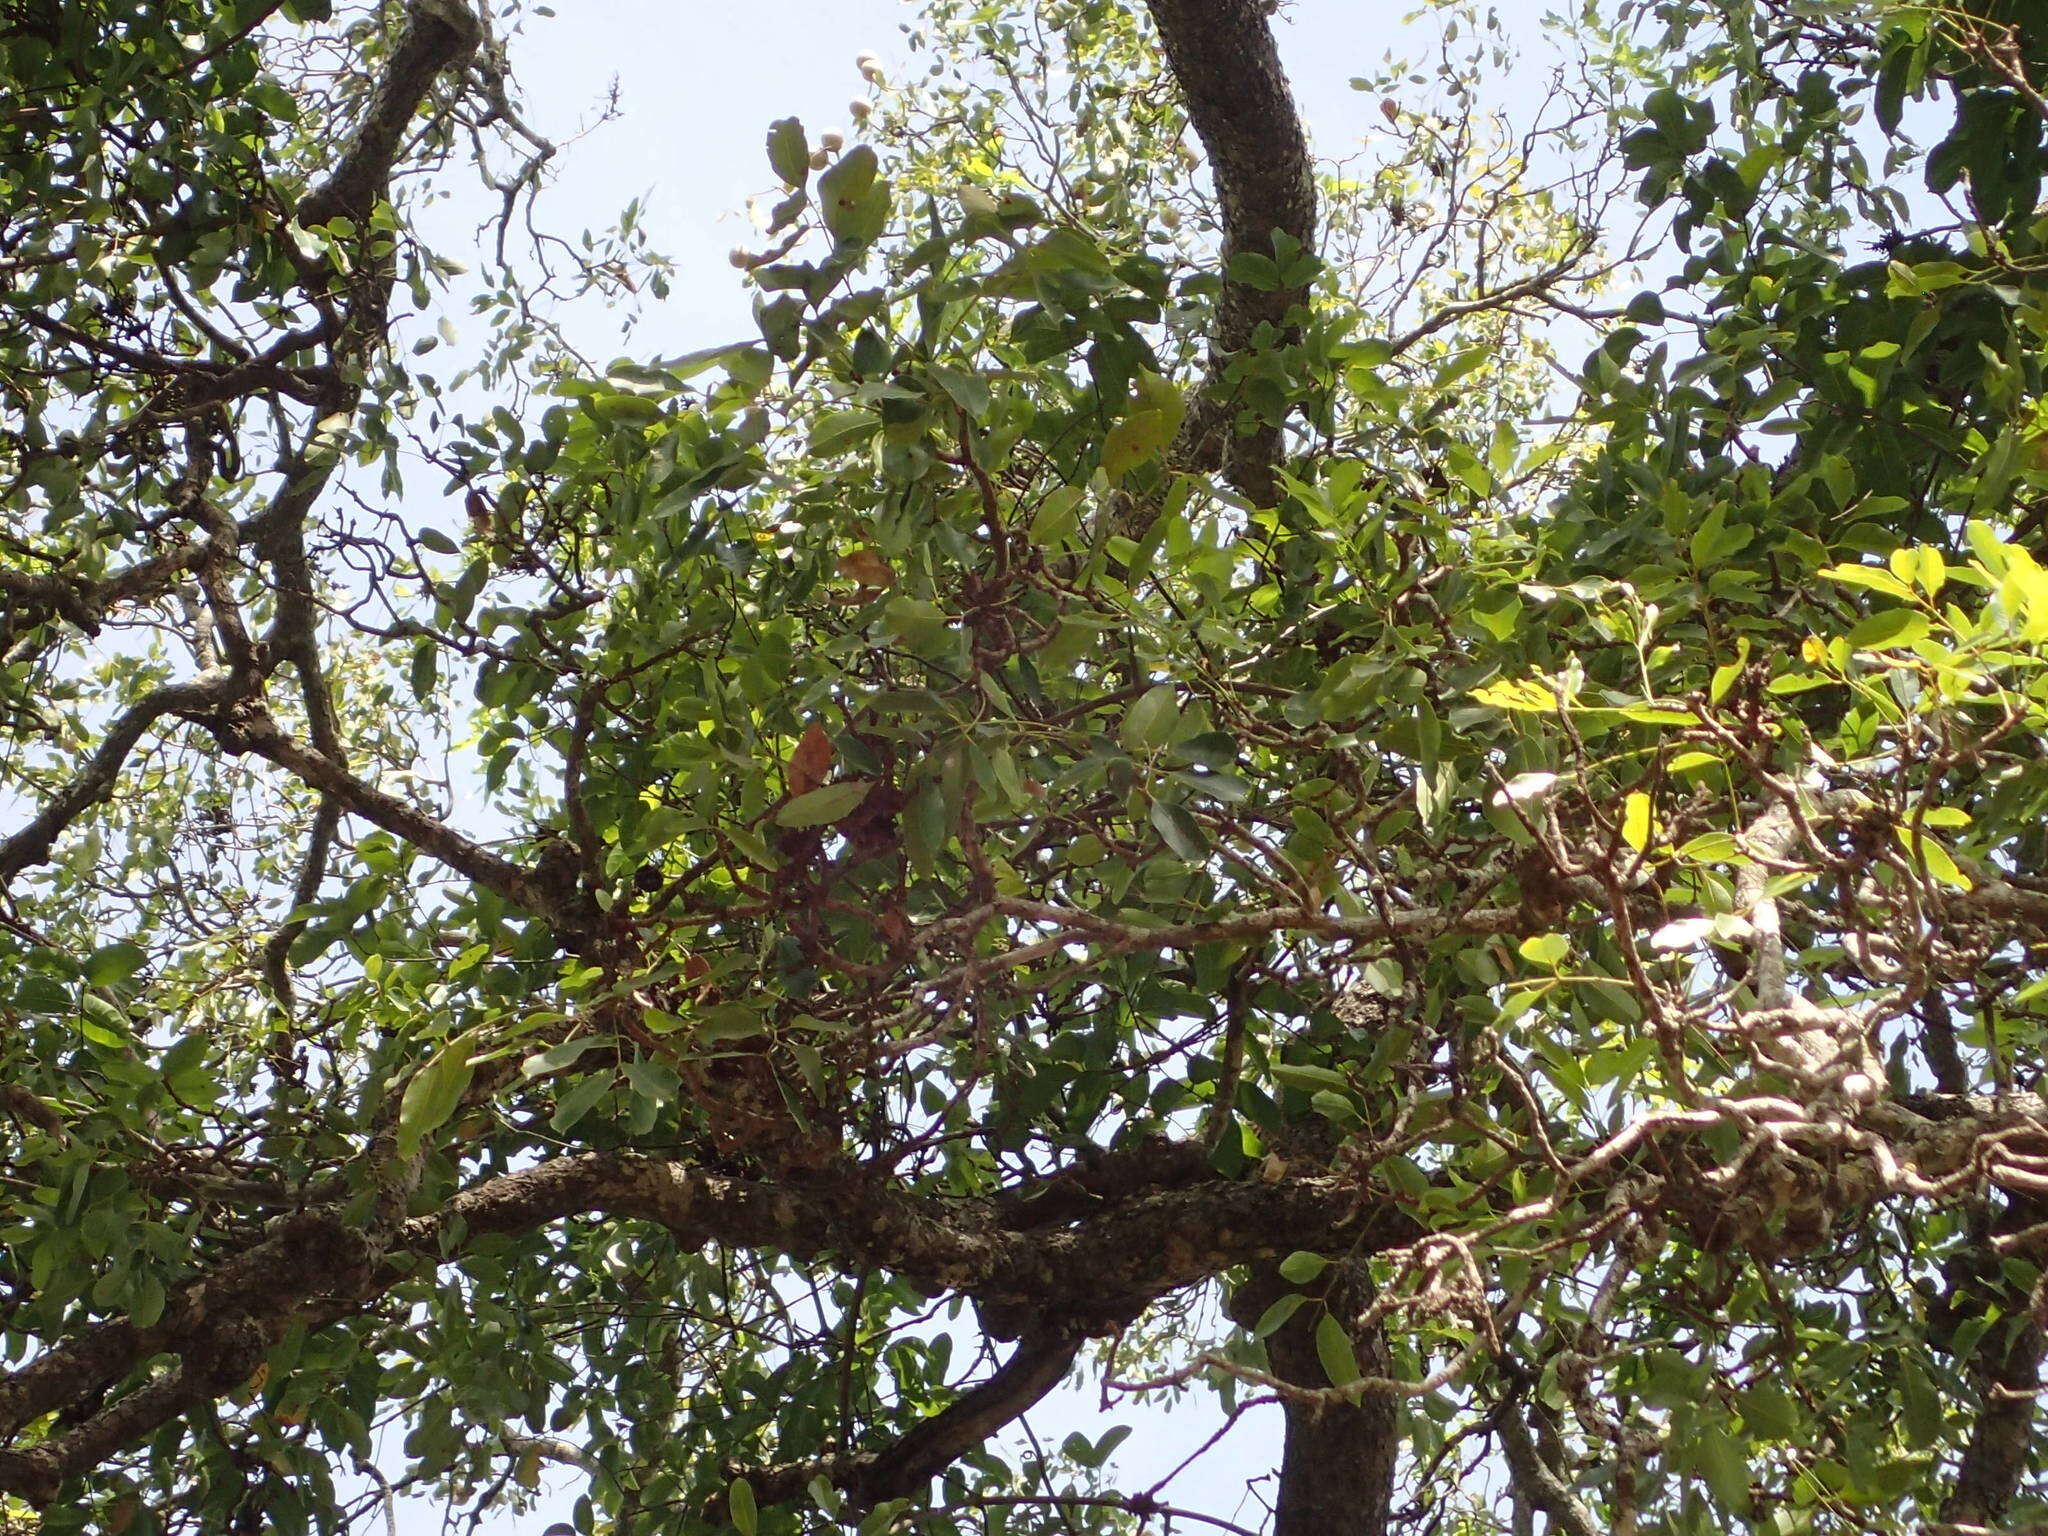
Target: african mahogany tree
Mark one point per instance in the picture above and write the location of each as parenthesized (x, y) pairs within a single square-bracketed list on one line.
[(1197, 766)]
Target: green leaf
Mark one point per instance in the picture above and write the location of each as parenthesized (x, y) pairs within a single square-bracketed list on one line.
[(789, 153), (1254, 271), (1723, 1466), (1769, 1413), (1895, 626), (1139, 436), (1301, 1266), (923, 626), (1334, 1349), (102, 1023), (434, 1093), (1152, 721), (1276, 1316), (821, 807), (1711, 848), (745, 1514), (580, 1100), (1308, 1079), (1181, 832), (852, 201), (969, 391), (1871, 577), (145, 1300), (1940, 863), (114, 964), (1058, 516), (724, 1021), (556, 1057)]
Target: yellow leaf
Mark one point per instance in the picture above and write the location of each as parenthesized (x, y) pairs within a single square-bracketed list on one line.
[(1933, 573), (1133, 440), (1518, 694), (1635, 820)]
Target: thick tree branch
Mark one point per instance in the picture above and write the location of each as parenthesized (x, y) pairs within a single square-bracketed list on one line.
[(1087, 1276), (254, 731), (438, 33), (2007, 1369), (1227, 65), (1337, 1467), (1537, 1480), (314, 1268)]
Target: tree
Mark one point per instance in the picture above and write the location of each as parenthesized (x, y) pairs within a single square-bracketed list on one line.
[(1136, 747)]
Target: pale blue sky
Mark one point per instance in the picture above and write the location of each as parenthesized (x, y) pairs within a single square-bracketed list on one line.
[(697, 85)]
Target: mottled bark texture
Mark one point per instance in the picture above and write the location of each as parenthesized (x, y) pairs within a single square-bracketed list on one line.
[(1337, 1471), (2007, 1369), (1227, 66), (437, 35)]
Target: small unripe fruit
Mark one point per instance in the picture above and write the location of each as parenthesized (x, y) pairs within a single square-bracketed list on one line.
[(820, 158), (833, 140), (859, 108), (740, 257)]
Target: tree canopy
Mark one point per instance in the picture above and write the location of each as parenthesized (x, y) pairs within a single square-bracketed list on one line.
[(1230, 772)]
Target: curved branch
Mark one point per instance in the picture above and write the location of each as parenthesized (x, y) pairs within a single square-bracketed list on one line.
[(1537, 1480), (254, 731), (1044, 1285), (1034, 1368), (438, 33), (94, 782)]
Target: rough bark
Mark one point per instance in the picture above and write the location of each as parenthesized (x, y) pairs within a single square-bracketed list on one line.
[(1227, 66), (1096, 1266), (2008, 1372), (1337, 1471), (437, 35), (1538, 1484), (1996, 1456)]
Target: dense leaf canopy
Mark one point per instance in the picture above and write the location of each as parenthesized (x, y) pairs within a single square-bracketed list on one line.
[(1231, 773)]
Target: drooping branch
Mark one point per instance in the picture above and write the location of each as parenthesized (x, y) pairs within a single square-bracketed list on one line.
[(94, 781), (1227, 66), (1034, 1368), (254, 731)]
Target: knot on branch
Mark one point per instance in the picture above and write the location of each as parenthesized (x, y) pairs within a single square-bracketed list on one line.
[(241, 726)]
